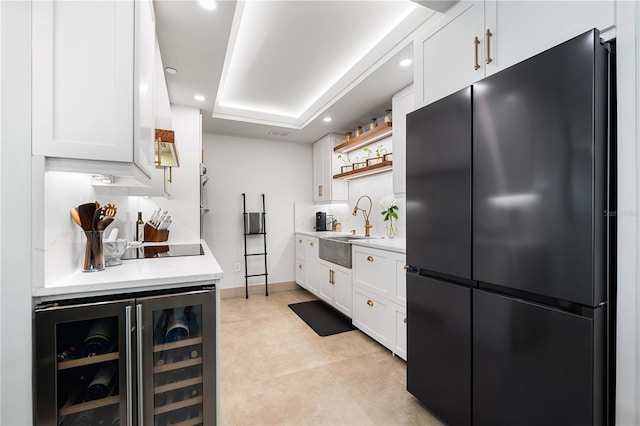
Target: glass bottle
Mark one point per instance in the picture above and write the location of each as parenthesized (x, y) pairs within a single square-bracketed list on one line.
[(139, 228), (387, 116), (358, 131), (348, 137), (373, 123)]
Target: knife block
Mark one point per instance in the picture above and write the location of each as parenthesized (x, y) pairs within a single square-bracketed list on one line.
[(151, 234)]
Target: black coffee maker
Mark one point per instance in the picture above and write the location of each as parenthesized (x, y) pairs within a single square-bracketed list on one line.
[(321, 221)]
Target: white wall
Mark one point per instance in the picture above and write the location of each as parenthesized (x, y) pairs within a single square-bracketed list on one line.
[(280, 170), (628, 296), (15, 177)]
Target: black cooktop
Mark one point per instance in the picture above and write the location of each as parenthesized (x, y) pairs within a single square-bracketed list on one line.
[(169, 250)]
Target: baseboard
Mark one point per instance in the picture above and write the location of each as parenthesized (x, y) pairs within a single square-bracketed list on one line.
[(257, 289)]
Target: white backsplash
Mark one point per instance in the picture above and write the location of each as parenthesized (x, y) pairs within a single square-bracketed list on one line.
[(377, 187)]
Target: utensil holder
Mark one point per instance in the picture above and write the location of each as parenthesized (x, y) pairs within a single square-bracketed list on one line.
[(93, 259), (152, 234)]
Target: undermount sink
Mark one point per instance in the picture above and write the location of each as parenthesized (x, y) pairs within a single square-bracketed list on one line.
[(337, 249)]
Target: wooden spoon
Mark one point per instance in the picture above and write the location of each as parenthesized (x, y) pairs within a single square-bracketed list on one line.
[(75, 216), (85, 212)]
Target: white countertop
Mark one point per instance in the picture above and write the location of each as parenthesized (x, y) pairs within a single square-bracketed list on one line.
[(137, 275), (397, 245)]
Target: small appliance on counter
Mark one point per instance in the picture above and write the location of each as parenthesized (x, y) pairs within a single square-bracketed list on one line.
[(321, 221)]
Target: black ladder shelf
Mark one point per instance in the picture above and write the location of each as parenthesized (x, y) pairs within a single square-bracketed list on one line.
[(248, 227)]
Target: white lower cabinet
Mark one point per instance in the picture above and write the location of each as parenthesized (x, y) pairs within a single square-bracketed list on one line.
[(379, 297), (335, 286), (307, 257), (374, 315)]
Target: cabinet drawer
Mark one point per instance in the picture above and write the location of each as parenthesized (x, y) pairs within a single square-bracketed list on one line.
[(301, 244), (375, 270), (301, 273), (374, 316)]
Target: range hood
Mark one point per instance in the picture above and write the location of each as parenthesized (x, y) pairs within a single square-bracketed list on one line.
[(166, 152)]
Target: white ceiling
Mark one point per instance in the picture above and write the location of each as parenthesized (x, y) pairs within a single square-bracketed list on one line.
[(274, 69)]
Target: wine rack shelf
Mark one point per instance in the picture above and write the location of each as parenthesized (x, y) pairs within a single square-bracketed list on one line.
[(178, 344), (81, 362), (178, 405), (190, 422), (177, 385), (70, 408), (177, 365)]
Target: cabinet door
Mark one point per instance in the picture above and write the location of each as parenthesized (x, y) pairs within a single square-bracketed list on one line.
[(144, 107), (448, 55), (320, 187), (314, 273), (82, 70), (401, 104), (325, 282), (177, 358), (522, 29), (301, 273), (342, 290), (83, 364), (401, 333), (374, 315)]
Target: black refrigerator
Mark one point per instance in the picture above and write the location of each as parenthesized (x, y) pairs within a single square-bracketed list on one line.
[(510, 290)]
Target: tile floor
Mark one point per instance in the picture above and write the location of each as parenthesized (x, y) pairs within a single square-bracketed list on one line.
[(275, 370)]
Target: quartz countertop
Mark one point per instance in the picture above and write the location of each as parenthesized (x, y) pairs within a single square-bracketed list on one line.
[(137, 275), (397, 245)]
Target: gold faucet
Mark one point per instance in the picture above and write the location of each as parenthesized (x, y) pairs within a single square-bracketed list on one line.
[(366, 214)]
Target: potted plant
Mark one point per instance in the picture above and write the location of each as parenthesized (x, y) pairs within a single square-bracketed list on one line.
[(389, 208), (347, 163)]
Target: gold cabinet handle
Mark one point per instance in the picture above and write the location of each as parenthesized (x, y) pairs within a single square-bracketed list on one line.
[(370, 258), (300, 241), (487, 42), (311, 244), (370, 302), (406, 267), (299, 266), (476, 42), (333, 277), (320, 190)]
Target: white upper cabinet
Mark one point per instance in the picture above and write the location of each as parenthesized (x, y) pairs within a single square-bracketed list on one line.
[(445, 60), (401, 104), (475, 39), (92, 73), (325, 165), (526, 28)]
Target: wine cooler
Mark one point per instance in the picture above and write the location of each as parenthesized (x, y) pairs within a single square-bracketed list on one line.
[(143, 360)]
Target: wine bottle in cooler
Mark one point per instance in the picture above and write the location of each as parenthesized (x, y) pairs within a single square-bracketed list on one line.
[(103, 382), (177, 325), (99, 338)]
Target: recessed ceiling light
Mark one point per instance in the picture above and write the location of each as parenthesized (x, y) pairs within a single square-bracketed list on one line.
[(199, 98), (327, 119), (170, 70), (209, 4), (405, 62)]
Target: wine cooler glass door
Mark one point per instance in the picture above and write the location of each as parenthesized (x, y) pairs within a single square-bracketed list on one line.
[(178, 359), (83, 355)]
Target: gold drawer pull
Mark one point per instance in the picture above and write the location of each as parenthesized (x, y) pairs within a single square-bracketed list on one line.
[(311, 244), (300, 241), (299, 266), (370, 258), (476, 42), (487, 42), (370, 302), (406, 267)]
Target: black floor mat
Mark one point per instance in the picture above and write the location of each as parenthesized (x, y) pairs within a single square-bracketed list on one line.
[(322, 318)]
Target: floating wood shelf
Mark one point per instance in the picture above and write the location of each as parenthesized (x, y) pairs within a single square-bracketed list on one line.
[(364, 171), (370, 136)]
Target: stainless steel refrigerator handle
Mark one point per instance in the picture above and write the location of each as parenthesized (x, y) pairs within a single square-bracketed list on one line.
[(127, 345), (139, 352)]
